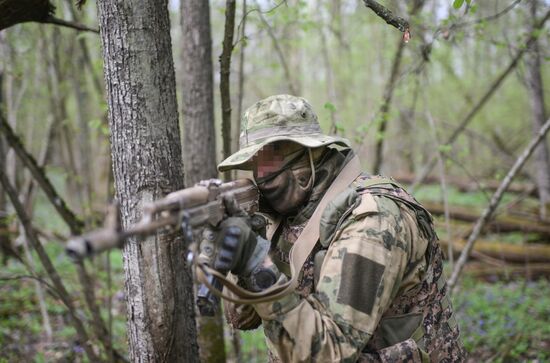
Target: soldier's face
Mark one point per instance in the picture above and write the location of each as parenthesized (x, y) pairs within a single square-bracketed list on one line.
[(272, 157), (283, 174)]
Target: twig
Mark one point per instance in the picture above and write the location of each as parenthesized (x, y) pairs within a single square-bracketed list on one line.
[(74, 223), (225, 73), (401, 24), (39, 293), (68, 24), (488, 18), (479, 105), (48, 266), (495, 200), (240, 82), (441, 165), (280, 54), (246, 13), (50, 288), (388, 95)]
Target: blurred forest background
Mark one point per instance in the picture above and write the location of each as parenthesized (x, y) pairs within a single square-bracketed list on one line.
[(447, 113)]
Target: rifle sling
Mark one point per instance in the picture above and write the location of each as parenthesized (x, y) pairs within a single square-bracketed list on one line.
[(298, 254)]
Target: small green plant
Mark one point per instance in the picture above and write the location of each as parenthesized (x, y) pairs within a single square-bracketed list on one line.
[(505, 321)]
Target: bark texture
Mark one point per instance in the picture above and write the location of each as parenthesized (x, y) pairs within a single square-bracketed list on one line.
[(19, 11), (147, 164), (225, 73), (542, 159), (200, 140), (199, 146)]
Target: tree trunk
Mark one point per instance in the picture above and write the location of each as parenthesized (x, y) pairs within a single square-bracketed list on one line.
[(200, 140), (225, 73), (147, 164), (240, 96), (199, 148), (535, 84)]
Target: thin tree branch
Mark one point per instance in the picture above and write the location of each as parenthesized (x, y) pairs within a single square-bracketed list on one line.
[(495, 200), (246, 13), (479, 105), (225, 73), (51, 289), (401, 24), (280, 54), (488, 18), (48, 266), (69, 24), (74, 223), (388, 95)]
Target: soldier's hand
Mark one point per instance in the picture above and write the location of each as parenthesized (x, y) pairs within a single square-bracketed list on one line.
[(237, 242), (245, 253)]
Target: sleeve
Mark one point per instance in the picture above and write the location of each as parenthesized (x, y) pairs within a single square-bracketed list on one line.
[(360, 276)]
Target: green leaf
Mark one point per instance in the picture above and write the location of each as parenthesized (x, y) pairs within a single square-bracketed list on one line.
[(329, 106), (457, 4), (445, 149)]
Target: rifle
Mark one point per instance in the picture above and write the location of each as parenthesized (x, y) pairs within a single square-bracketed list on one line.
[(201, 207)]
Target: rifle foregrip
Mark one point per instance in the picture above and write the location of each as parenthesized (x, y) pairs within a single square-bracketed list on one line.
[(207, 302), (92, 243)]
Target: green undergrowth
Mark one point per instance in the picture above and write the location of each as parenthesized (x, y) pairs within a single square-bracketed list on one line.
[(23, 337), (505, 322), (499, 321), (475, 199)]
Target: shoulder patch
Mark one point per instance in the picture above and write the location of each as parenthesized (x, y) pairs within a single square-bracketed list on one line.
[(360, 282)]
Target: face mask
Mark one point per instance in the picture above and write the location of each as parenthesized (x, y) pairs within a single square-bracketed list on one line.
[(287, 189)]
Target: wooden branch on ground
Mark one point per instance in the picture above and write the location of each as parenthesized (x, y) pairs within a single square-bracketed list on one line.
[(495, 200), (502, 223), (465, 185), (479, 105), (506, 252), (401, 24), (74, 223), (530, 271)]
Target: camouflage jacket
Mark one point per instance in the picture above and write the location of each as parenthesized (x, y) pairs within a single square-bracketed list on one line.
[(372, 290)]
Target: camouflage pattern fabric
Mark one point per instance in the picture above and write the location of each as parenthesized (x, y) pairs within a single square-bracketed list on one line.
[(277, 118)]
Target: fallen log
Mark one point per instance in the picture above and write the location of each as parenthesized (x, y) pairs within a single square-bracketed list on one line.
[(465, 185), (492, 273), (502, 223), (505, 252)]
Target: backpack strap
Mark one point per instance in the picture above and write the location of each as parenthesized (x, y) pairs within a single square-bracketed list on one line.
[(300, 251)]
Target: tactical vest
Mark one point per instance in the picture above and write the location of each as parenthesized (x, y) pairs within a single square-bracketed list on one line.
[(419, 325)]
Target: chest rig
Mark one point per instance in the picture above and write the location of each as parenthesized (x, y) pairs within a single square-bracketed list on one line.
[(419, 323)]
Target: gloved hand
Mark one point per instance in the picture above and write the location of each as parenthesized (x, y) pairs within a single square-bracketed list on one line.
[(245, 253), (237, 242)]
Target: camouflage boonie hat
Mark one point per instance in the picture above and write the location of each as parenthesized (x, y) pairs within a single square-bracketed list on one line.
[(277, 118)]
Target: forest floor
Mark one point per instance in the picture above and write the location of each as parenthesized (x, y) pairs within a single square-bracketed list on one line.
[(504, 318)]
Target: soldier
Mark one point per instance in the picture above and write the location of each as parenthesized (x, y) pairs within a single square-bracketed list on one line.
[(372, 289)]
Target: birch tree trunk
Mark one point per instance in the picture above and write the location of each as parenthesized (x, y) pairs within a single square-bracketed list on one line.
[(536, 89), (147, 164)]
